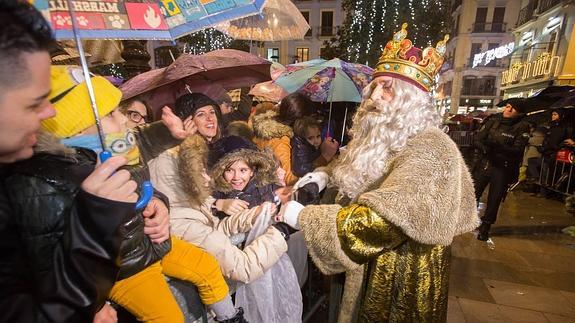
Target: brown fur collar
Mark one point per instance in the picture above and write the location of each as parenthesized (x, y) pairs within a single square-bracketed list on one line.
[(267, 127), (50, 144), (192, 158), (264, 168)]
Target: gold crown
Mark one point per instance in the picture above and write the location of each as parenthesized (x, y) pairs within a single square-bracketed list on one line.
[(401, 58)]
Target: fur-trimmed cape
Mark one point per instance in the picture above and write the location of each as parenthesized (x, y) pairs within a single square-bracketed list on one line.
[(427, 195)]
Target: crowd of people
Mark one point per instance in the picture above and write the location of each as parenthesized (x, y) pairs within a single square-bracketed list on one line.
[(74, 247)]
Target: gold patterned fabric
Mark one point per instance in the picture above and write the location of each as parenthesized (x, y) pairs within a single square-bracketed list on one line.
[(405, 281)]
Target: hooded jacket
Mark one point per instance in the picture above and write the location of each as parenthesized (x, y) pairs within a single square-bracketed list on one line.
[(305, 157), (59, 245), (178, 173), (272, 134), (262, 185)]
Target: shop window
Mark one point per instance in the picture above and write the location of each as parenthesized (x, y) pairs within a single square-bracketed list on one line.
[(302, 54), (273, 54)]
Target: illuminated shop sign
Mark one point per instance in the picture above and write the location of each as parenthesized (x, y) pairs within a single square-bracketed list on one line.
[(488, 56), (543, 67)]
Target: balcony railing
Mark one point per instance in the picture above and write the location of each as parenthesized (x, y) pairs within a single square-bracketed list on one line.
[(327, 31), (489, 27), (526, 13), (545, 5)]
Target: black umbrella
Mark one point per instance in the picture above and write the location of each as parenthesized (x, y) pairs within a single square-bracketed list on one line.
[(525, 105), (556, 92)]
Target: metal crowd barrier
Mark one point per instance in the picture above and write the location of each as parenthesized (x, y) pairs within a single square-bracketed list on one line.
[(462, 138), (557, 175)]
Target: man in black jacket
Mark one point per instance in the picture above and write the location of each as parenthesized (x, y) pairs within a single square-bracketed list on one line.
[(65, 275), (501, 142)]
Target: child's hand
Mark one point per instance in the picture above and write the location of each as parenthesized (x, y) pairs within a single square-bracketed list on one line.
[(231, 206), (178, 128), (157, 221), (328, 148), (107, 314)]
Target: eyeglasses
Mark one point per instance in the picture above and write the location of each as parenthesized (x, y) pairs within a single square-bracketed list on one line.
[(136, 117)]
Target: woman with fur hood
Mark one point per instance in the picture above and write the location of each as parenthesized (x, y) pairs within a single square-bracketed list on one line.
[(404, 193), (273, 129), (182, 176)]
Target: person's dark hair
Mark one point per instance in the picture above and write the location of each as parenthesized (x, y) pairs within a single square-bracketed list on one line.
[(301, 125), (293, 107), (240, 129), (187, 105), (24, 30), (124, 105)]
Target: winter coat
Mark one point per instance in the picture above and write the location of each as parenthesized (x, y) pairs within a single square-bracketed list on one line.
[(60, 246), (138, 251), (554, 137), (261, 188), (502, 142), (394, 241), (305, 157), (533, 144), (191, 217), (272, 134)]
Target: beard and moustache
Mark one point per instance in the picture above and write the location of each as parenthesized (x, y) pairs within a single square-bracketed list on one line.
[(381, 129)]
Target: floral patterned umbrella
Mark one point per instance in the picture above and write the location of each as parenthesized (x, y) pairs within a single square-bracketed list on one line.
[(326, 81)]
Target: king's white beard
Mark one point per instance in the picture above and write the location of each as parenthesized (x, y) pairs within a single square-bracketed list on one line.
[(365, 159), (380, 130)]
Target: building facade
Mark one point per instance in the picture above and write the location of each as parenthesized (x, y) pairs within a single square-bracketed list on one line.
[(545, 51), (481, 34), (324, 18)]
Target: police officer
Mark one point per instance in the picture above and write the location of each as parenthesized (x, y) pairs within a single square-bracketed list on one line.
[(501, 142)]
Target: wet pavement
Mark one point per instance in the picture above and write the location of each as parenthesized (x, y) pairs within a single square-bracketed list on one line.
[(526, 275)]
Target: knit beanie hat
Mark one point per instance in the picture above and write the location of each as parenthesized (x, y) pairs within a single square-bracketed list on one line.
[(187, 104), (226, 146), (70, 98)]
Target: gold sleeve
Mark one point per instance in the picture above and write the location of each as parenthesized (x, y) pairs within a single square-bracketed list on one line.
[(363, 234)]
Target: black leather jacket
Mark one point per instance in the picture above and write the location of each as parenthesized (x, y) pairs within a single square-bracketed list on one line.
[(62, 249), (59, 246), (138, 251), (303, 156), (502, 141)]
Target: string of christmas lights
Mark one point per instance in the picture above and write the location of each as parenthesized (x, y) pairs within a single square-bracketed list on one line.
[(369, 25), (205, 41)]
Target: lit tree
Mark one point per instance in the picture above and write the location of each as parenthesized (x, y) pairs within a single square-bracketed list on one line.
[(210, 39), (369, 24)]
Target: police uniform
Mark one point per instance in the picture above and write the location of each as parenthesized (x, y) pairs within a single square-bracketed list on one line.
[(501, 143)]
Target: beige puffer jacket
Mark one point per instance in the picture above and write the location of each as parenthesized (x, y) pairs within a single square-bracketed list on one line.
[(193, 221)]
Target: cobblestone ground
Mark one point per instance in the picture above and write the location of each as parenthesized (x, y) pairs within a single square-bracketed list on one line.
[(527, 274)]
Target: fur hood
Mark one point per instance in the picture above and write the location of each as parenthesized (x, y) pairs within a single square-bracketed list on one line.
[(263, 161), (50, 144), (267, 127), (192, 158)]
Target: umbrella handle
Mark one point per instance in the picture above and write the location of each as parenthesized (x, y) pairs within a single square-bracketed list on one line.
[(146, 189)]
